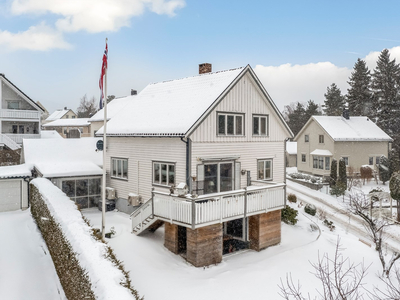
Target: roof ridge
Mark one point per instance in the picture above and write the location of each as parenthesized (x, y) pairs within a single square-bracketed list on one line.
[(198, 75)]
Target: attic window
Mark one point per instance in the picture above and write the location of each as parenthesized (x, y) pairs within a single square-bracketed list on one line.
[(260, 125), (12, 105), (230, 124)]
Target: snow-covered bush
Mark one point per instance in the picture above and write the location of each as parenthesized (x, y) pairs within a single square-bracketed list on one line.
[(310, 209), (306, 177), (87, 268)]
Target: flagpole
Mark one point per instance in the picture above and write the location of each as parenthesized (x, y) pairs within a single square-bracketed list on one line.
[(103, 208)]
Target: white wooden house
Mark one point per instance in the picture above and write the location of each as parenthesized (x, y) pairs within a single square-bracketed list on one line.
[(19, 115), (222, 136)]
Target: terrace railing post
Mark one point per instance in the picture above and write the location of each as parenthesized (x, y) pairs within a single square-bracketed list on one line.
[(152, 201), (193, 214)]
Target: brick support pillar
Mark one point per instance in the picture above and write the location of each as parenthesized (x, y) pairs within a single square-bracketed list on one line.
[(265, 230), (171, 237), (204, 245)]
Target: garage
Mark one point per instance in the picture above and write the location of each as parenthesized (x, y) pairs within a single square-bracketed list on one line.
[(14, 187)]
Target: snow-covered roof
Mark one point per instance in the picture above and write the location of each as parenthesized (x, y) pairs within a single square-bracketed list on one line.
[(63, 157), (23, 170), (291, 147), (79, 122), (58, 114), (352, 129), (50, 134), (113, 108), (321, 152), (171, 107)]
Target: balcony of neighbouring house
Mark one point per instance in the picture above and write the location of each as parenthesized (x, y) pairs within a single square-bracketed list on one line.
[(193, 211), (13, 114), (17, 138)]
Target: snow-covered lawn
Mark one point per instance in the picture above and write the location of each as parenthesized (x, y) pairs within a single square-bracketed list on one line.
[(26, 268), (159, 274)]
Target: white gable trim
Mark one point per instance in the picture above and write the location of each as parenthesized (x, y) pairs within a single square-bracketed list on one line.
[(20, 93)]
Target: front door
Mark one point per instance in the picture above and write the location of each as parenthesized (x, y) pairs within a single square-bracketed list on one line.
[(218, 177)]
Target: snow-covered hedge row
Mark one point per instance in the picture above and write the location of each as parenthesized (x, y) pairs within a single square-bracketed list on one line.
[(82, 262)]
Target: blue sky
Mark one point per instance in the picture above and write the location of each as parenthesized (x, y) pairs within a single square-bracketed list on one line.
[(52, 49)]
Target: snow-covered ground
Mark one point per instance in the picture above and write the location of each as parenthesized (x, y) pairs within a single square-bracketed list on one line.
[(26, 269), (159, 274)]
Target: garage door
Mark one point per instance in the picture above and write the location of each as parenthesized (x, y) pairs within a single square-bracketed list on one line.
[(10, 195)]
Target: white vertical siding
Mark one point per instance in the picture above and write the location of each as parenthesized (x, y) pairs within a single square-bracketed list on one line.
[(245, 97), (140, 153), (248, 154)]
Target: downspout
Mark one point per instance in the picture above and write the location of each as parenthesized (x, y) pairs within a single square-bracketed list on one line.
[(29, 180), (284, 177), (188, 143)]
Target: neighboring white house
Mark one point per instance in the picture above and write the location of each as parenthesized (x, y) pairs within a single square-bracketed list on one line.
[(357, 140), (222, 136), (73, 165), (64, 126), (115, 106), (14, 187), (19, 115)]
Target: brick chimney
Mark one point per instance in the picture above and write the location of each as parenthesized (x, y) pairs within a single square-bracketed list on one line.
[(133, 92), (204, 68)]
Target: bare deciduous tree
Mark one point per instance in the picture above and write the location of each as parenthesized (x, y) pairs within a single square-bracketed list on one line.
[(87, 108), (340, 279)]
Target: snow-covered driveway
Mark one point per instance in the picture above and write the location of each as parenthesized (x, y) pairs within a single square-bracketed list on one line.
[(26, 268)]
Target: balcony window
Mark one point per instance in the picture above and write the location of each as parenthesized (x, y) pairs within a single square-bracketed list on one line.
[(13, 104), (163, 173), (264, 169), (218, 177)]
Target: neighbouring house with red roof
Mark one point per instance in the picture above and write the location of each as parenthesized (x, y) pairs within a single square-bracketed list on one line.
[(205, 155), (357, 140)]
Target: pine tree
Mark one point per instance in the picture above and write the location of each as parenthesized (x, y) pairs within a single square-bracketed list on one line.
[(384, 172), (342, 179), (333, 175), (312, 109), (394, 162), (359, 95), (386, 95), (334, 101), (297, 118)]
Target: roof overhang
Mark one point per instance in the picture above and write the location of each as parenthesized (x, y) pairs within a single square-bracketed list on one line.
[(321, 152)]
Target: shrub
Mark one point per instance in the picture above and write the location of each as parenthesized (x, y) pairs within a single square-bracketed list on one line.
[(292, 198), (333, 175), (310, 209), (338, 190), (342, 179), (289, 215), (329, 224)]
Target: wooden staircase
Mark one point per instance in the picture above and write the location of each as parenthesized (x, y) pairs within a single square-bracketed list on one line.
[(143, 219), (6, 141)]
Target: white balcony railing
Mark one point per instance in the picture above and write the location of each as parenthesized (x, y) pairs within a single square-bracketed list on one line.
[(17, 138), (19, 114), (217, 208)]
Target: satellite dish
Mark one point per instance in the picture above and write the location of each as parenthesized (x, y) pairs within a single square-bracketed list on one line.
[(99, 145)]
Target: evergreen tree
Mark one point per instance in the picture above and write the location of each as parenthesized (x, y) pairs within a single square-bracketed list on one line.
[(384, 173), (394, 162), (334, 101), (312, 109), (359, 96), (386, 95), (297, 118), (394, 186), (333, 175), (342, 179)]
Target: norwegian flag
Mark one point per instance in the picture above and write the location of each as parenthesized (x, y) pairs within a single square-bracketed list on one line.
[(103, 72)]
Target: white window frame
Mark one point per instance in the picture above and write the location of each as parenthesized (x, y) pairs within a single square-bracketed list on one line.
[(167, 164), (305, 157), (321, 139), (117, 168), (348, 160), (234, 115), (319, 162), (260, 117), (271, 168), (306, 138), (10, 102)]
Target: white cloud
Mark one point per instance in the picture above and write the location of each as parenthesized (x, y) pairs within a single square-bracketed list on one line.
[(95, 15), (291, 83), (38, 38)]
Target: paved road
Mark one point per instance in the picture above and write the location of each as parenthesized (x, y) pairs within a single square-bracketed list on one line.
[(339, 214)]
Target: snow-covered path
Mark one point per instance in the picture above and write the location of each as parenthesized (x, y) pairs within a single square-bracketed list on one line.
[(26, 268), (336, 211)]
